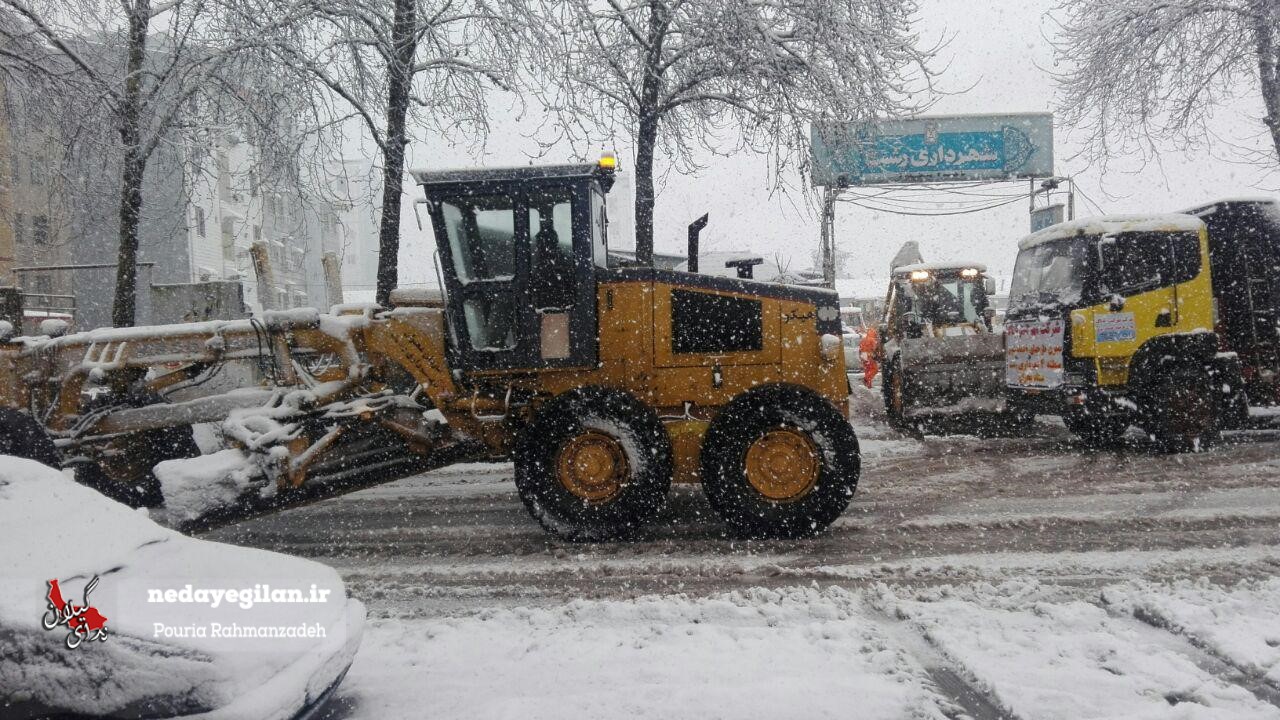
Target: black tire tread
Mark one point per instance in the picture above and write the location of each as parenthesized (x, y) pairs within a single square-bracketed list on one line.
[(740, 423), (562, 418)]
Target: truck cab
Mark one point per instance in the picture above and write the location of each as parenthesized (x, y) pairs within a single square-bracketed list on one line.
[(1110, 323), (942, 355), (1167, 322)]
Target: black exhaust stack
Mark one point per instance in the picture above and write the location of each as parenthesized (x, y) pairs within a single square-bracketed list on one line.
[(695, 229)]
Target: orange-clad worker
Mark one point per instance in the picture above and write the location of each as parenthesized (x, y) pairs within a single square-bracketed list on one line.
[(869, 351)]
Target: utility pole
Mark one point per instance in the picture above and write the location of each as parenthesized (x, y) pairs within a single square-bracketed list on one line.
[(828, 238)]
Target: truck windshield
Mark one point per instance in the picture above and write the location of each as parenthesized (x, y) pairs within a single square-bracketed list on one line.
[(1050, 273), (945, 301)]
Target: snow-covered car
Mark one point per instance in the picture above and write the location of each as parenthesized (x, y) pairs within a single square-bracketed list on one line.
[(104, 613), (854, 322), (852, 358)]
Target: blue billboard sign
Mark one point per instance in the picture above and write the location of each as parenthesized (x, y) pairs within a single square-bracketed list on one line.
[(933, 149)]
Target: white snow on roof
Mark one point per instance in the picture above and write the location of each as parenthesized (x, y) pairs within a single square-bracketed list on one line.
[(940, 266), (1107, 224), (1240, 198), (1201, 208)]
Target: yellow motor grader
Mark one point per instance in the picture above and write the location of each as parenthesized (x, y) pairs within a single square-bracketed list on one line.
[(603, 384)]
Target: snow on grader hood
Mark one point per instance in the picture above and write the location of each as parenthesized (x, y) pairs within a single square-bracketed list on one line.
[(603, 384)]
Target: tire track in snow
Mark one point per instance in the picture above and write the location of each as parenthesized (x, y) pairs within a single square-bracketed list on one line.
[(1153, 627), (947, 676)]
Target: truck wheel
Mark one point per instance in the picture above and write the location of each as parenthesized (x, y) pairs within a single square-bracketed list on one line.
[(22, 436), (1183, 410), (895, 396), (779, 461), (1233, 408), (595, 464), (1096, 430), (140, 453)]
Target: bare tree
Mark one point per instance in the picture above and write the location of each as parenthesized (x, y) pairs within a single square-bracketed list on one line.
[(1137, 72), (404, 65), (147, 71), (675, 75)]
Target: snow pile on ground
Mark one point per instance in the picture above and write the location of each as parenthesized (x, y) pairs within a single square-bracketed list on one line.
[(1240, 624), (1027, 649), (766, 654), (194, 487), (56, 529), (1046, 658)]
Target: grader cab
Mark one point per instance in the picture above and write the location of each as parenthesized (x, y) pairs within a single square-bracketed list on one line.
[(603, 384)]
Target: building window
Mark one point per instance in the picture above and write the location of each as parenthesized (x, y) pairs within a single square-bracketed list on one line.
[(39, 230), (224, 176), (20, 229), (200, 221)]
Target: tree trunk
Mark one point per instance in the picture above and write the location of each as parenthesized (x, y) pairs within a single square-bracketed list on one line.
[(124, 307), (399, 79), (646, 138), (647, 133), (1269, 68)]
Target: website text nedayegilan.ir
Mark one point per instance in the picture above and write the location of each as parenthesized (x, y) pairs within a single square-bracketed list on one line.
[(246, 598)]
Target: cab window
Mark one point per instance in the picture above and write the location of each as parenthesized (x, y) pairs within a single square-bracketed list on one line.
[(481, 237), (1185, 256), (946, 302), (1137, 261), (599, 230), (551, 233)]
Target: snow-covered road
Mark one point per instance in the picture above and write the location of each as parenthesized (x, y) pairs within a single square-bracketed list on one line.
[(1022, 577)]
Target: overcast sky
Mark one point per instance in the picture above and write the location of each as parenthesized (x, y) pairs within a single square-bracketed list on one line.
[(997, 54)]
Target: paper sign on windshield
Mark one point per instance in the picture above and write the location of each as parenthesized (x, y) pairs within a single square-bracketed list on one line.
[(1033, 355), (1114, 327)]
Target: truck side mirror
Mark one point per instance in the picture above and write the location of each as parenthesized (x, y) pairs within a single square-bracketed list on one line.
[(989, 316), (989, 285)]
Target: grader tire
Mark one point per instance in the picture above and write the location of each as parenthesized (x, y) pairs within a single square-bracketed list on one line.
[(146, 449), (779, 462), (894, 389), (21, 436), (595, 464)]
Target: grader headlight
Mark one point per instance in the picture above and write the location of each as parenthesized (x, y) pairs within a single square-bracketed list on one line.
[(919, 276)]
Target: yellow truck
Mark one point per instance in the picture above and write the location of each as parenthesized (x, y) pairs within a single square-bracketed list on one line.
[(1167, 322), (604, 384)]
